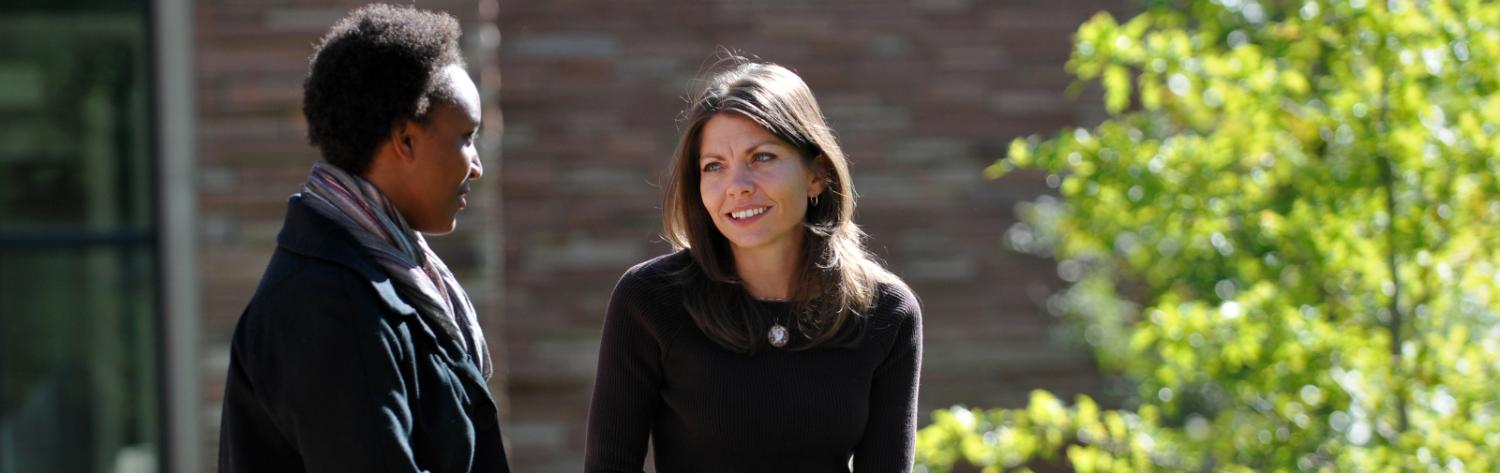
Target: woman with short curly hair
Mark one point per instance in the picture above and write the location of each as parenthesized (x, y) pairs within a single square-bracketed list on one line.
[(360, 351)]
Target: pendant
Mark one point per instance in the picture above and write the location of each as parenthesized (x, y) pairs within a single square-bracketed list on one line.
[(777, 335)]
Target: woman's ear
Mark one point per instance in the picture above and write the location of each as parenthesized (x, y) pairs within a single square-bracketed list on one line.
[(402, 135), (822, 176)]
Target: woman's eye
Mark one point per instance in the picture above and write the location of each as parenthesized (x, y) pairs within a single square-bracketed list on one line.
[(711, 167), (763, 157)]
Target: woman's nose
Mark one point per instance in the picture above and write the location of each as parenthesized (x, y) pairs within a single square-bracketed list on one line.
[(740, 182), (476, 168)]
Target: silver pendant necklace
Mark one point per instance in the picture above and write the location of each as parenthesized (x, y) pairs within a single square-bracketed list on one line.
[(777, 335)]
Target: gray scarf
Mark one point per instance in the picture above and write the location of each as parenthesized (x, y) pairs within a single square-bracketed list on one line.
[(419, 274)]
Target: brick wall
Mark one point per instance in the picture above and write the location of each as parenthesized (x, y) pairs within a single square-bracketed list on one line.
[(923, 94)]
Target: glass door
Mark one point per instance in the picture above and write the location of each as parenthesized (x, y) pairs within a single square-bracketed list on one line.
[(79, 282)]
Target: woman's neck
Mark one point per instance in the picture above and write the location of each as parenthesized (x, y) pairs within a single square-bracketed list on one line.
[(768, 272)]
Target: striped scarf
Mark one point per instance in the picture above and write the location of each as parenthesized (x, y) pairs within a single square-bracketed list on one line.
[(418, 273)]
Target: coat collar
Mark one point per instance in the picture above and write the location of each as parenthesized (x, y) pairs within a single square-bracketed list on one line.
[(310, 234)]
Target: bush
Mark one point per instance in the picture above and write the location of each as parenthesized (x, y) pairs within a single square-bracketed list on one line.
[(1285, 236)]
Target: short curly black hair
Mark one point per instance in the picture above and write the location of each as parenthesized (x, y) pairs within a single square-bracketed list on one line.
[(374, 70)]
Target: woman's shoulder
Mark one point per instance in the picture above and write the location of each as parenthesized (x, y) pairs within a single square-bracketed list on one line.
[(657, 271), (649, 295), (896, 318), (895, 302), (653, 280)]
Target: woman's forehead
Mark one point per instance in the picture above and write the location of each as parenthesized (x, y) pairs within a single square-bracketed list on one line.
[(736, 133)]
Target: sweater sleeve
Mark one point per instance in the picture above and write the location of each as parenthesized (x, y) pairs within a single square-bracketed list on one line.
[(890, 434), (626, 386)]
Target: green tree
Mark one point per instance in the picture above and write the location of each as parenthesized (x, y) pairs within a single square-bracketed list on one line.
[(1284, 236)]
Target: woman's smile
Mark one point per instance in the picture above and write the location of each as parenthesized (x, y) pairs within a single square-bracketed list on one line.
[(748, 214)]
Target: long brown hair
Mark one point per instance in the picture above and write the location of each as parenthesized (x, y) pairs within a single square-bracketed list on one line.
[(837, 278)]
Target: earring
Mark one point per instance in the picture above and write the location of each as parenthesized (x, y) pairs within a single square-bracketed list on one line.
[(815, 200)]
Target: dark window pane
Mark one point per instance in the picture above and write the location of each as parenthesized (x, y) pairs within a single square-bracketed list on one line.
[(78, 258)]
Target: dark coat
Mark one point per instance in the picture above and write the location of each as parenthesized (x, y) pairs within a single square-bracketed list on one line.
[(331, 371)]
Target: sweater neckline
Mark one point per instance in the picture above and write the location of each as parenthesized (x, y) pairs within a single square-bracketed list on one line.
[(772, 302)]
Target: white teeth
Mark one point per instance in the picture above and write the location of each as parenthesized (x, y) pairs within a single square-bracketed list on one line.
[(743, 214)]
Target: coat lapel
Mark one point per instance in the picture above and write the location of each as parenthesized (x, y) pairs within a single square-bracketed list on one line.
[(313, 235)]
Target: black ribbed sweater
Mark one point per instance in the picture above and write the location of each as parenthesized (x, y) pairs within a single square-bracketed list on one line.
[(706, 409)]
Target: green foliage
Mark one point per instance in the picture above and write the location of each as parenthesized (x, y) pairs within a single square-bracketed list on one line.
[(1285, 236)]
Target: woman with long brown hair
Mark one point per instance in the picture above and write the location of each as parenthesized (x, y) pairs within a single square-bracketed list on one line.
[(771, 340)]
